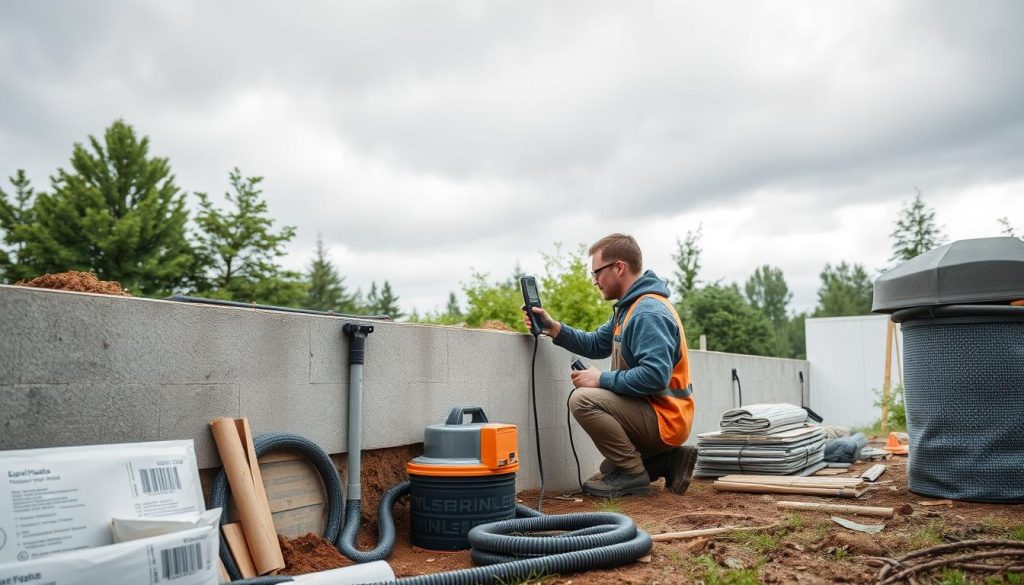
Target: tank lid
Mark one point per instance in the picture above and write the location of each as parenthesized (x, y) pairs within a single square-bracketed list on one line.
[(980, 270)]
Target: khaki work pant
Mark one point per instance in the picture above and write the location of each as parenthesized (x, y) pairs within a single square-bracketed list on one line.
[(624, 429)]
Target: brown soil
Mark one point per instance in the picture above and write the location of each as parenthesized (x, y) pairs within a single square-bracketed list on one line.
[(77, 281), (309, 553), (807, 547), (495, 325)]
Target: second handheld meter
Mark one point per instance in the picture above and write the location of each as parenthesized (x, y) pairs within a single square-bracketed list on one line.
[(531, 299)]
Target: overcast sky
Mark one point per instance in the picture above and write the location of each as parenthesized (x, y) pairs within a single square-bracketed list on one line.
[(428, 140)]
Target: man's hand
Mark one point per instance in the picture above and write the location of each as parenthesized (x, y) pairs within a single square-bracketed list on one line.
[(588, 378), (548, 326)]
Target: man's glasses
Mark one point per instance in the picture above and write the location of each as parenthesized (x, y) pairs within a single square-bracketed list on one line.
[(595, 272)]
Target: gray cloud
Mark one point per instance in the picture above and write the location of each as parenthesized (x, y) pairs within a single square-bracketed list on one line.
[(438, 127)]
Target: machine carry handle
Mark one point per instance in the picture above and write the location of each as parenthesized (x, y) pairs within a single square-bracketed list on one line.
[(456, 415)]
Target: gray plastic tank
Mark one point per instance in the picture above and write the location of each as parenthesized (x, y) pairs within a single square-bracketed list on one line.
[(961, 311)]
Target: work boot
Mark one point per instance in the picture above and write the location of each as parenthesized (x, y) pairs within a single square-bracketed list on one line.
[(618, 483), (680, 469), (675, 465)]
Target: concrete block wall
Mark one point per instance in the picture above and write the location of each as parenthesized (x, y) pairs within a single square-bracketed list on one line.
[(78, 369)]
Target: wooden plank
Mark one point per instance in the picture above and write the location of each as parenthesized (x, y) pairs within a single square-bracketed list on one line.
[(239, 549), (824, 482), (783, 489), (299, 521), (843, 508)]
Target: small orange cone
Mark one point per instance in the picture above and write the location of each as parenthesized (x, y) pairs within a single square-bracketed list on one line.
[(895, 446)]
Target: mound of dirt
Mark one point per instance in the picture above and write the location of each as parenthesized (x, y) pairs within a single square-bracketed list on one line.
[(309, 553), (495, 325), (78, 282)]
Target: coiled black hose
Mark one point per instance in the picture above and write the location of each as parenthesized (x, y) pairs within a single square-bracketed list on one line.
[(594, 540), (344, 540)]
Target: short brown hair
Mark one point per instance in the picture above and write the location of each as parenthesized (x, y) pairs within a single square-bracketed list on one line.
[(620, 247)]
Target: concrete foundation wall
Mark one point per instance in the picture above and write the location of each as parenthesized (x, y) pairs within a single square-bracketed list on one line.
[(80, 369)]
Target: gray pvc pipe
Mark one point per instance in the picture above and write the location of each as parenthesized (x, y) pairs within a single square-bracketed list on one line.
[(355, 430)]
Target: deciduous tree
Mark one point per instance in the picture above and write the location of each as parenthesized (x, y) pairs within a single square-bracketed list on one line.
[(768, 292), (845, 289), (731, 325)]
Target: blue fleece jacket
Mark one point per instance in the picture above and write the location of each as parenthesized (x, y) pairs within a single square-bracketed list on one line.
[(649, 343)]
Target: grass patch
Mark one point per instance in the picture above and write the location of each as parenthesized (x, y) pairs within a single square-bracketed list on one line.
[(708, 571), (926, 536), (816, 534), (533, 578), (609, 505), (674, 558), (1016, 534), (761, 541), (952, 577), (792, 521), (839, 553)]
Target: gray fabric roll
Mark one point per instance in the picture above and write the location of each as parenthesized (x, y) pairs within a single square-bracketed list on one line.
[(762, 418)]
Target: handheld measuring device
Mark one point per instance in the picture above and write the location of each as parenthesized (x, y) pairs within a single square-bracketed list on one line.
[(531, 298)]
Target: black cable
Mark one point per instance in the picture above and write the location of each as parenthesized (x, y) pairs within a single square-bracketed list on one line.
[(568, 424), (739, 386), (536, 424)]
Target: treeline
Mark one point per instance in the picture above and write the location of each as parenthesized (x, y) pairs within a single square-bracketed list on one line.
[(119, 213), (752, 318)]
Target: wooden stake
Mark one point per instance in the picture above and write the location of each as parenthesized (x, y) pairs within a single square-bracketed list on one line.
[(890, 332), (667, 536), (861, 510)]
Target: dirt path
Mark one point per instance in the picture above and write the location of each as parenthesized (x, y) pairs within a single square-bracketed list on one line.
[(808, 547)]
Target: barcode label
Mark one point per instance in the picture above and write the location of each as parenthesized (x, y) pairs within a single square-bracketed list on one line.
[(159, 480), (181, 560)]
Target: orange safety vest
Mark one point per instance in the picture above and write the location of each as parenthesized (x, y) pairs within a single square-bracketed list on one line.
[(674, 405)]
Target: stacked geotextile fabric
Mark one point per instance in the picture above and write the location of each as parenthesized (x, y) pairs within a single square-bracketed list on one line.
[(765, 439)]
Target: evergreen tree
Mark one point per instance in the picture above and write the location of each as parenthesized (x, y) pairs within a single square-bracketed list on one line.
[(845, 290), (13, 216), (117, 213), (372, 304), (687, 259), (453, 310), (916, 231), (729, 322), (239, 249), (326, 289), (768, 292), (385, 302)]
